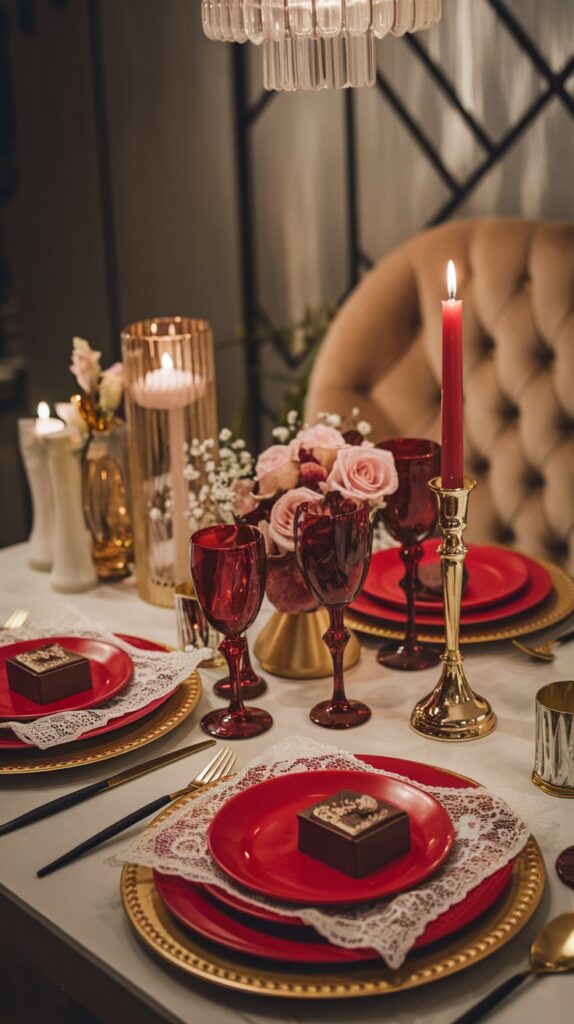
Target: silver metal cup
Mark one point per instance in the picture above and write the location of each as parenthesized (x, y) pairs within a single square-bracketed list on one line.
[(193, 629), (554, 758)]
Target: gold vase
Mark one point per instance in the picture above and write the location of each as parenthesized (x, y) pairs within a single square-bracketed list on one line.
[(292, 646), (105, 496), (452, 711)]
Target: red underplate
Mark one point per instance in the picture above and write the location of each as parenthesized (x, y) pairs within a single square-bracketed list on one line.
[(111, 670), (295, 943), (10, 742), (537, 589), (253, 838), (494, 575)]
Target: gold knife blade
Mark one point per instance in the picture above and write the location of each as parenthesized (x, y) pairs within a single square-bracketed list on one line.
[(157, 762)]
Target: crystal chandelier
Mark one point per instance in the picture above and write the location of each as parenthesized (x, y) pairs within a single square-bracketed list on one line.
[(316, 44)]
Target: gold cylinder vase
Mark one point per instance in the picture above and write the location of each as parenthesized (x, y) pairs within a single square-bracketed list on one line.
[(452, 711), (170, 400)]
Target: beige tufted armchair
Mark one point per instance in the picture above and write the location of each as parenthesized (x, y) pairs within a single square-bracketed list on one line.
[(383, 354)]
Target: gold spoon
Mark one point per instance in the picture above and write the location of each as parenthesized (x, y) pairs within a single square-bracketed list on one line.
[(552, 952)]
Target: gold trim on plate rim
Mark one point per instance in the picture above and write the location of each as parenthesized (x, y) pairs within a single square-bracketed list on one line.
[(162, 934), (152, 727), (553, 609)]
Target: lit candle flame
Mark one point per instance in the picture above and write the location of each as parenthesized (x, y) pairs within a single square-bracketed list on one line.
[(166, 361), (451, 280), (43, 411)]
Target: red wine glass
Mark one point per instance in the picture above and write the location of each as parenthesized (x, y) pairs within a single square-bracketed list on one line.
[(410, 516), (251, 683), (333, 540), (228, 565)]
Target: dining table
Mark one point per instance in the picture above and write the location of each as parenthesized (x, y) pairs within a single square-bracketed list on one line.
[(71, 925)]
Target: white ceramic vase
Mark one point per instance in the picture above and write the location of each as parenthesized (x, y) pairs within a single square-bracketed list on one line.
[(35, 458), (73, 569)]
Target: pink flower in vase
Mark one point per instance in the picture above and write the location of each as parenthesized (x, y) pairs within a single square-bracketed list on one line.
[(365, 473), (312, 474), (276, 470), (85, 364), (282, 521), (112, 387), (244, 501), (322, 442)]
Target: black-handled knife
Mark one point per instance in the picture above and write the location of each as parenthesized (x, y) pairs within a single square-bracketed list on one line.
[(218, 768), (79, 795), (108, 833)]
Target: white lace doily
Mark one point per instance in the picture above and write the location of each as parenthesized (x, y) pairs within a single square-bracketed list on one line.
[(155, 674), (487, 835)]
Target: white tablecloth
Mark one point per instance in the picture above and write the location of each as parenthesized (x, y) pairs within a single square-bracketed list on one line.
[(81, 902)]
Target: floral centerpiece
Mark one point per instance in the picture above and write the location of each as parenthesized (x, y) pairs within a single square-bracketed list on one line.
[(303, 462)]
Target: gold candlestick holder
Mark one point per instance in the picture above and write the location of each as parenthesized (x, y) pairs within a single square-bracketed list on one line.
[(452, 711)]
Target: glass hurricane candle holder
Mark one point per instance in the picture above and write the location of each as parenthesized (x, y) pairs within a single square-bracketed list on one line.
[(170, 400), (333, 540)]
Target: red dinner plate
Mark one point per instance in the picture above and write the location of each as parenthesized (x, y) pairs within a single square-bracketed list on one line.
[(537, 589), (236, 924), (253, 838), (10, 742), (191, 905), (111, 670), (494, 575)]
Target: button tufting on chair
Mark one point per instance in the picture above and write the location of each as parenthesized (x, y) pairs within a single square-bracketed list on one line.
[(383, 354)]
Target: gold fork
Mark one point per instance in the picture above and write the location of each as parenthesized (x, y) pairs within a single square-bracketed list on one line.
[(218, 768), (544, 651), (16, 619)]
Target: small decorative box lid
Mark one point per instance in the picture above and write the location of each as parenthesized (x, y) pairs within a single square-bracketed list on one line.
[(352, 813), (46, 658)]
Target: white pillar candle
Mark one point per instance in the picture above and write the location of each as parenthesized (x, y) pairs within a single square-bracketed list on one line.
[(171, 390), (46, 424)]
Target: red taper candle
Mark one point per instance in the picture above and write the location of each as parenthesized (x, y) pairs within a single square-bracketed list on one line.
[(452, 406)]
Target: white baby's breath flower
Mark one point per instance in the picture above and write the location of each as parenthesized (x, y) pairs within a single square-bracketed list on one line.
[(225, 435), (334, 420), (240, 443), (292, 417), (364, 428), (281, 434), (355, 411), (190, 473)]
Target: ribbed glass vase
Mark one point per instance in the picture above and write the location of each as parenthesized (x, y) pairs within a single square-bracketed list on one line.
[(170, 400)]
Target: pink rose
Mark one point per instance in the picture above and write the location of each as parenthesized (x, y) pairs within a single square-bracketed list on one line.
[(281, 524), (364, 473), (85, 364), (311, 474), (243, 499), (276, 470), (322, 441)]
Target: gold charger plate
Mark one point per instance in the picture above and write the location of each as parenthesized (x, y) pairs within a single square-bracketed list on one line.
[(161, 933), (168, 716), (553, 609)]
